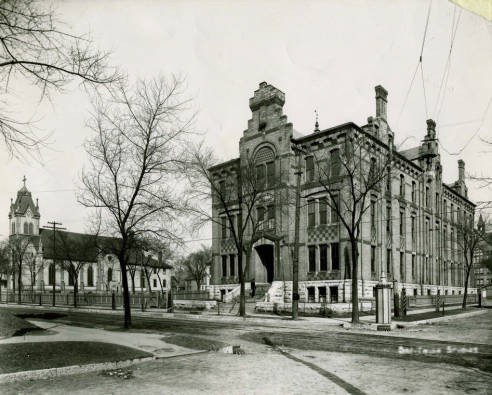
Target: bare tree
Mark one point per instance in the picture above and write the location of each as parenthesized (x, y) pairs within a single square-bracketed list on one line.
[(19, 248), (34, 48), (5, 264), (349, 176), (197, 264), (468, 239), (74, 251), (31, 260), (236, 191), (139, 141)]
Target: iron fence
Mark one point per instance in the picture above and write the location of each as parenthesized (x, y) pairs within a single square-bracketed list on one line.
[(146, 300), (191, 295)]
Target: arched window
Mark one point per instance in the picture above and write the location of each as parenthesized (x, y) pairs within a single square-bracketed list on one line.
[(51, 274), (110, 275), (13, 228), (90, 276), (265, 167), (26, 228), (31, 228)]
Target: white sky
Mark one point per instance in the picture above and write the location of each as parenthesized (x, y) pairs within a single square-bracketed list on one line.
[(325, 55)]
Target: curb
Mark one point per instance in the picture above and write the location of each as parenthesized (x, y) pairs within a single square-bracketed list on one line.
[(69, 370)]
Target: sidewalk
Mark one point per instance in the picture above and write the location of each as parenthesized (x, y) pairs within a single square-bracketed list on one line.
[(304, 322)]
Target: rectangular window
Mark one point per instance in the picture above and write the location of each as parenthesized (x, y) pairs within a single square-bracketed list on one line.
[(311, 214), (223, 222), (232, 265), (402, 186), (373, 215), (437, 204), (427, 235), (312, 258), (155, 283), (224, 265), (414, 192), (335, 205), (402, 266), (309, 169), (372, 171), (445, 209), (323, 211), (414, 274), (270, 169), (451, 213), (335, 256), (388, 221), (388, 261), (271, 216), (402, 222), (373, 259), (335, 162), (414, 231), (311, 294), (323, 257), (231, 230), (427, 197)]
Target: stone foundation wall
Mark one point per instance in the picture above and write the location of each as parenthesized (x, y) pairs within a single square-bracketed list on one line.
[(195, 304)]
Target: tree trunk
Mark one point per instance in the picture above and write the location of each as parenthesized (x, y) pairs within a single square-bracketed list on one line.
[(126, 295), (465, 295), (75, 291), (242, 293), (355, 290), (133, 281), (198, 284), (19, 286)]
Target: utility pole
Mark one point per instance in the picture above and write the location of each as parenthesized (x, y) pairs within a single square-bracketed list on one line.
[(295, 260), (54, 226)]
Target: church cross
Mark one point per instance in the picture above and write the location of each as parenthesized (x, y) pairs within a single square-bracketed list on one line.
[(24, 180)]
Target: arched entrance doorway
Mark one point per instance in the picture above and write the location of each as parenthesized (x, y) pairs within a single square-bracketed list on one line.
[(267, 257)]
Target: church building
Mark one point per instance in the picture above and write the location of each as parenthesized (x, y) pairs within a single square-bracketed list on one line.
[(46, 257)]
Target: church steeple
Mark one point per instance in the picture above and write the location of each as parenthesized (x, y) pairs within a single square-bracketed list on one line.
[(24, 214)]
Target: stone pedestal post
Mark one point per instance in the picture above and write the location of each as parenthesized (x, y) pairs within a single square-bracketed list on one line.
[(383, 301)]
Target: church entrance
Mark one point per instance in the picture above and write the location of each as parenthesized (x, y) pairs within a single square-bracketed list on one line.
[(266, 254)]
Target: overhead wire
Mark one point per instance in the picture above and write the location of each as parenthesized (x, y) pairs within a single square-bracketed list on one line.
[(419, 63), (482, 119), (447, 68)]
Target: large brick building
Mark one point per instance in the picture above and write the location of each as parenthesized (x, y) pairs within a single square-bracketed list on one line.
[(409, 231)]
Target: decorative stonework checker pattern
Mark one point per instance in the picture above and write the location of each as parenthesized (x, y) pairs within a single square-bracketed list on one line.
[(227, 245), (323, 233)]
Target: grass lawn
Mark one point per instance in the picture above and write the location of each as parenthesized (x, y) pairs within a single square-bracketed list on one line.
[(17, 357), (10, 325), (432, 314)]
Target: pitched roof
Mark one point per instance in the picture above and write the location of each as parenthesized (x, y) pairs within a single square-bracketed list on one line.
[(69, 245), (23, 202), (86, 248)]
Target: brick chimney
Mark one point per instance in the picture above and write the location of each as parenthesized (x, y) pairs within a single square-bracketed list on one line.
[(431, 129), (461, 170), (381, 101)]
